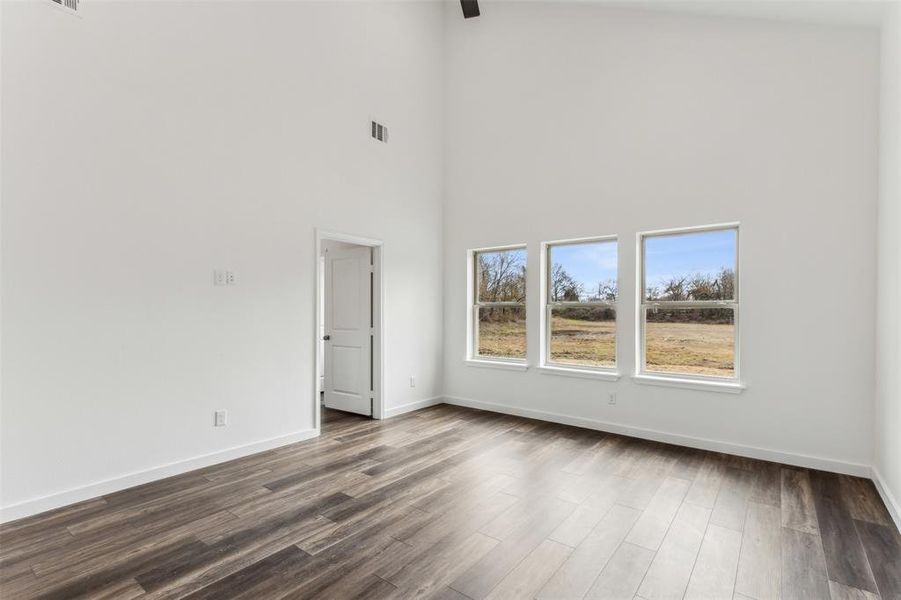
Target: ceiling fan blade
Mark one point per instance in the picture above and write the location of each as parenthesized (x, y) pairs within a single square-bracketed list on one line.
[(470, 8)]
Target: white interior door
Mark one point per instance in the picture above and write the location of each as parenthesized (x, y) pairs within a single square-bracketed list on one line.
[(348, 329)]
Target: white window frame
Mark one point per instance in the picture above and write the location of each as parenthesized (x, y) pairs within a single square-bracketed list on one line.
[(472, 312), (547, 365), (687, 380)]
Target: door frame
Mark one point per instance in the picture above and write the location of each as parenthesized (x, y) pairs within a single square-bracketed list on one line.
[(378, 308)]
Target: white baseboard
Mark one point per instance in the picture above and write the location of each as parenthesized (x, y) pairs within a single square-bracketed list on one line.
[(891, 502), (798, 460), (411, 406), (108, 486)]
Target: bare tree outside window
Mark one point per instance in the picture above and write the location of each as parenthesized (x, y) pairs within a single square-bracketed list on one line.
[(502, 276)]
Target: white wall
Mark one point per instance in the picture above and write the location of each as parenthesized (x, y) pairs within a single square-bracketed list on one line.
[(572, 120), (148, 143), (888, 324)]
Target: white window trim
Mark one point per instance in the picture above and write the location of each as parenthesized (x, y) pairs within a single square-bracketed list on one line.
[(546, 365), (685, 380), (582, 373), (473, 358), (506, 365), (706, 385)]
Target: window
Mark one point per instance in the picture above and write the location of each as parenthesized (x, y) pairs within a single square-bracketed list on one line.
[(689, 303), (498, 312), (580, 304)]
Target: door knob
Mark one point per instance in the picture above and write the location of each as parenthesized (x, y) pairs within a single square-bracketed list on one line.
[(326, 337)]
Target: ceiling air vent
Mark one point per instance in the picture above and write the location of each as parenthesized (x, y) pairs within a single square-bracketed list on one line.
[(379, 132), (69, 5)]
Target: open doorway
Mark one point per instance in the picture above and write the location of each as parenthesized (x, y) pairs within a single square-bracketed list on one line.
[(349, 351)]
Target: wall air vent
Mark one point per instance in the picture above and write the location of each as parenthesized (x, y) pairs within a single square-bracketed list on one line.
[(68, 5), (379, 132)]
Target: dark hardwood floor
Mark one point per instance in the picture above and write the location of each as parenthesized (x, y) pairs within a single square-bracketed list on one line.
[(456, 503)]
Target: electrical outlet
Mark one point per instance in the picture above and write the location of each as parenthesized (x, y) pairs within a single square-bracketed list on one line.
[(612, 399), (221, 418), (219, 277), (412, 381), (229, 278)]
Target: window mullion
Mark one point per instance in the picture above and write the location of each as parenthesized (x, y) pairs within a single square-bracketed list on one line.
[(689, 304), (499, 304), (604, 304)]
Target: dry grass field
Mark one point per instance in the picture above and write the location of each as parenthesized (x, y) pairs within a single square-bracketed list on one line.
[(696, 348), (575, 341), (505, 339)]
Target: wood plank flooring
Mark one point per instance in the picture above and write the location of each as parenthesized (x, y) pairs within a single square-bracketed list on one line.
[(462, 504)]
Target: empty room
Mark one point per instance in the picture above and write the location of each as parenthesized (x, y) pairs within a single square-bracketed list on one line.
[(454, 299)]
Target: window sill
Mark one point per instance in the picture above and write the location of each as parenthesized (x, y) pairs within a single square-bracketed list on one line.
[(496, 364), (581, 373), (727, 387)]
